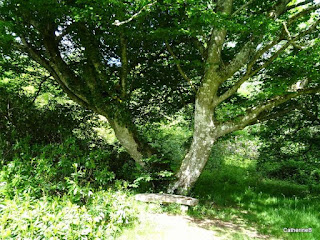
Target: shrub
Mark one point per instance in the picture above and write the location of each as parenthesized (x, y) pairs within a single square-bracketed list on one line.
[(25, 217), (54, 168)]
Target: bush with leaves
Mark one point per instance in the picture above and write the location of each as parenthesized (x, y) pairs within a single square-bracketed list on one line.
[(55, 168), (25, 217), (23, 118), (290, 149)]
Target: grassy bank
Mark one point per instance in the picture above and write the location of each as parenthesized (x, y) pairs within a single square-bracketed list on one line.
[(236, 191)]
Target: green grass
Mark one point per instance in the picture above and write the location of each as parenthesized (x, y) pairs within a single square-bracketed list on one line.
[(236, 190)]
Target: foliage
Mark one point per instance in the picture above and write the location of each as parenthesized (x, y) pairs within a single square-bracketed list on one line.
[(172, 135), (55, 169), (52, 172), (91, 30), (33, 116), (290, 149), (54, 140), (54, 217)]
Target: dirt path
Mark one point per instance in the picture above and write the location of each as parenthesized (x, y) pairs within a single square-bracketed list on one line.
[(167, 227)]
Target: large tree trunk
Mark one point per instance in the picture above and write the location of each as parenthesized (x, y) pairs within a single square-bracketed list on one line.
[(130, 140), (192, 165), (199, 151)]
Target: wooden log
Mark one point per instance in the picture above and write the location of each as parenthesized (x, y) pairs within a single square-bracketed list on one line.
[(167, 198)]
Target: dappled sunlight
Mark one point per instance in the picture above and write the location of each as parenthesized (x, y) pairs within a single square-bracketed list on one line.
[(103, 103), (166, 227)]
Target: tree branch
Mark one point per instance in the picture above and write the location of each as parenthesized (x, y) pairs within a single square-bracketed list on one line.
[(217, 39), (200, 47), (94, 57), (36, 56), (124, 65), (280, 8), (294, 106), (40, 88), (224, 6), (276, 114), (240, 59), (299, 4), (242, 7), (179, 67), (302, 13), (250, 73), (243, 55), (253, 114), (148, 6), (61, 69)]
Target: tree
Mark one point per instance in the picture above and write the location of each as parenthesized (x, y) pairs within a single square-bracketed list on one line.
[(108, 54)]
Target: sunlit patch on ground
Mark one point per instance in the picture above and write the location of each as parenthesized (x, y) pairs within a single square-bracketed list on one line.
[(162, 226)]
